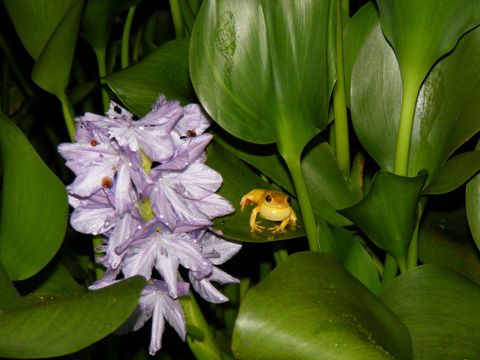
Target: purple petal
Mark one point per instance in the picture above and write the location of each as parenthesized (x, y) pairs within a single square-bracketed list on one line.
[(187, 152), (214, 206), (217, 250), (193, 122)]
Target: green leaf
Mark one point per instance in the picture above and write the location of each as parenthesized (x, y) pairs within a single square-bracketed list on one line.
[(387, 214), (472, 205), (440, 309), (326, 184), (421, 32), (438, 244), (264, 158), (238, 180), (454, 173), (356, 30), (34, 206), (164, 71), (376, 98), (309, 307), (55, 324), (261, 69), (446, 111), (48, 30), (98, 19), (348, 251)]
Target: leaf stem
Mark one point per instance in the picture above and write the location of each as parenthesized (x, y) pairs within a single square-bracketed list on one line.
[(407, 113), (177, 18), (22, 80), (125, 61), (204, 348), (304, 200), (412, 257), (102, 71), (342, 143), (390, 270), (5, 87), (68, 116)]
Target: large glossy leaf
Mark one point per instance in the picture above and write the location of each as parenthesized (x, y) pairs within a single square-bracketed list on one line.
[(438, 244), (440, 309), (34, 206), (309, 307), (261, 68), (423, 31), (58, 323), (387, 214), (326, 182), (454, 173), (376, 98), (356, 30), (238, 180), (349, 251), (48, 30), (446, 111), (164, 71)]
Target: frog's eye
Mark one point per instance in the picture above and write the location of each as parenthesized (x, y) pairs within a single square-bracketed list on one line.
[(289, 200), (268, 198)]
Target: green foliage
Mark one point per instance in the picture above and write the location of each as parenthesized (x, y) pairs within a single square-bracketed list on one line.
[(264, 71), (34, 206), (309, 307), (438, 307), (53, 323)]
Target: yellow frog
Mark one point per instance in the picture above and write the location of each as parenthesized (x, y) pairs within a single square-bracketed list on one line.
[(272, 205)]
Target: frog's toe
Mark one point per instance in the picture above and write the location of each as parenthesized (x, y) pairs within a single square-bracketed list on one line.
[(276, 229), (257, 227)]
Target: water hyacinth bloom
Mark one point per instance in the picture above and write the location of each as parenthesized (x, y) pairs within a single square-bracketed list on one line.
[(145, 187)]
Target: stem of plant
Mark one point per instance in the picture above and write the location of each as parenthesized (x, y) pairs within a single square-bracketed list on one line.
[(204, 347), (390, 270), (102, 71), (304, 200), (177, 18), (342, 143), (404, 136), (68, 116), (5, 87), (125, 61), (412, 257)]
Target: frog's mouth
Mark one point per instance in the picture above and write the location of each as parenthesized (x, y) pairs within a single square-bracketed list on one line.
[(275, 214)]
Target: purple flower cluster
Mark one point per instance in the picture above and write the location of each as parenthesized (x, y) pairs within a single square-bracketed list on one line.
[(144, 186)]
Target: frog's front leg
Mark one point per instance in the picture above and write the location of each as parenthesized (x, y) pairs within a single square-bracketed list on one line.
[(291, 219), (254, 225)]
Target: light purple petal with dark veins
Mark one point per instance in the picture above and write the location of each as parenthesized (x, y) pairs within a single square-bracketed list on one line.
[(165, 113), (125, 227), (217, 250), (173, 209), (107, 279), (206, 290), (81, 156), (118, 113), (193, 119), (140, 258), (93, 218), (213, 206), (158, 146), (197, 181), (188, 151)]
